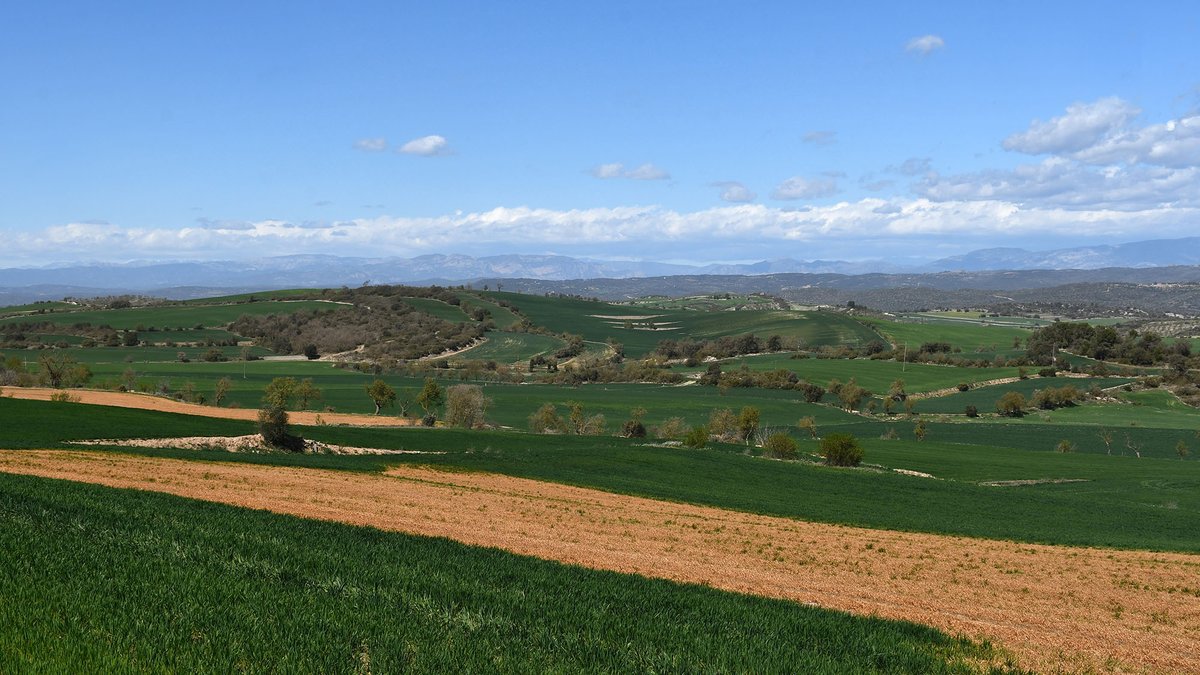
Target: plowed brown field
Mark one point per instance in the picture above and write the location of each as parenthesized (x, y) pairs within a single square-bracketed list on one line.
[(121, 399), (1056, 608)]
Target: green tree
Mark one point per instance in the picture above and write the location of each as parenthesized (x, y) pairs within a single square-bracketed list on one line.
[(1011, 404), (273, 426), (280, 392), (808, 424), (222, 390), (431, 396), (1181, 449), (748, 422), (780, 446), (920, 429), (307, 392), (381, 394), (841, 449), (546, 420)]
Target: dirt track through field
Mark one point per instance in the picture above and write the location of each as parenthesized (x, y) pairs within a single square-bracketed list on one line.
[(1056, 608), (121, 399)]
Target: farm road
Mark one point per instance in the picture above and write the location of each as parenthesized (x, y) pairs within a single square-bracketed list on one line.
[(1056, 608), (120, 399)]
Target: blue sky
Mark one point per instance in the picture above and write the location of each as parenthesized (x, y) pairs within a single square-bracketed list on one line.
[(669, 131)]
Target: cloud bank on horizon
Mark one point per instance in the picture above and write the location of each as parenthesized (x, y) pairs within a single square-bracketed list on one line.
[(721, 177)]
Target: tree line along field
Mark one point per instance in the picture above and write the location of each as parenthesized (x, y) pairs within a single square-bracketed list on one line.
[(928, 467)]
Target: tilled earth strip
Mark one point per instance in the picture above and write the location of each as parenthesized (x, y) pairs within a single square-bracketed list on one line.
[(1056, 608), (118, 399)]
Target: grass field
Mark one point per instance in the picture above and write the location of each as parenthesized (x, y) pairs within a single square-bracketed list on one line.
[(967, 336), (984, 398), (113, 580), (504, 347), (433, 307)]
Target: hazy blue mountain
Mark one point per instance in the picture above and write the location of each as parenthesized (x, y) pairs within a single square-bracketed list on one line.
[(1156, 253)]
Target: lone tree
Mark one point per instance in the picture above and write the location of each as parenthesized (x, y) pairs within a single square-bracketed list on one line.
[(431, 396), (222, 390), (920, 430), (780, 445), (280, 392), (466, 406), (808, 424), (546, 420), (841, 450), (747, 421), (273, 426), (307, 392), (381, 394), (1011, 404)]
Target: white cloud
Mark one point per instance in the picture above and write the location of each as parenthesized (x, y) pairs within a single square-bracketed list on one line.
[(1084, 125), (617, 170), (426, 146), (371, 144), (925, 45), (733, 191), (1175, 143), (867, 222), (799, 187), (825, 137)]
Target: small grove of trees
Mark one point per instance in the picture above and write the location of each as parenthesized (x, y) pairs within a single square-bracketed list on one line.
[(60, 370), (1057, 397), (841, 449)]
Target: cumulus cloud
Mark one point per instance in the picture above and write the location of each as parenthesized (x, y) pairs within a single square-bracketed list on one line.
[(799, 187), (1066, 184), (733, 191), (371, 144), (1083, 126), (426, 146), (1097, 159), (628, 229), (618, 170), (820, 137), (924, 45)]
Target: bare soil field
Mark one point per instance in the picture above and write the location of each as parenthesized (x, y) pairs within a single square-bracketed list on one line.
[(147, 402), (1055, 608)]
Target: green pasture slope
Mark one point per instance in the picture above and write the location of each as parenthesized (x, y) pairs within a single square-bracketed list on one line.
[(175, 316), (967, 336), (571, 315), (984, 398), (1122, 502), (105, 580), (506, 347), (433, 307)]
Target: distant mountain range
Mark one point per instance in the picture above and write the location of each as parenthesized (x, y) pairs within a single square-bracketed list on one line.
[(1088, 264), (1155, 253)]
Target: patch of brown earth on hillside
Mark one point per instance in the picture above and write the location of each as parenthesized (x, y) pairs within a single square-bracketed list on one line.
[(1056, 608), (120, 399)]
